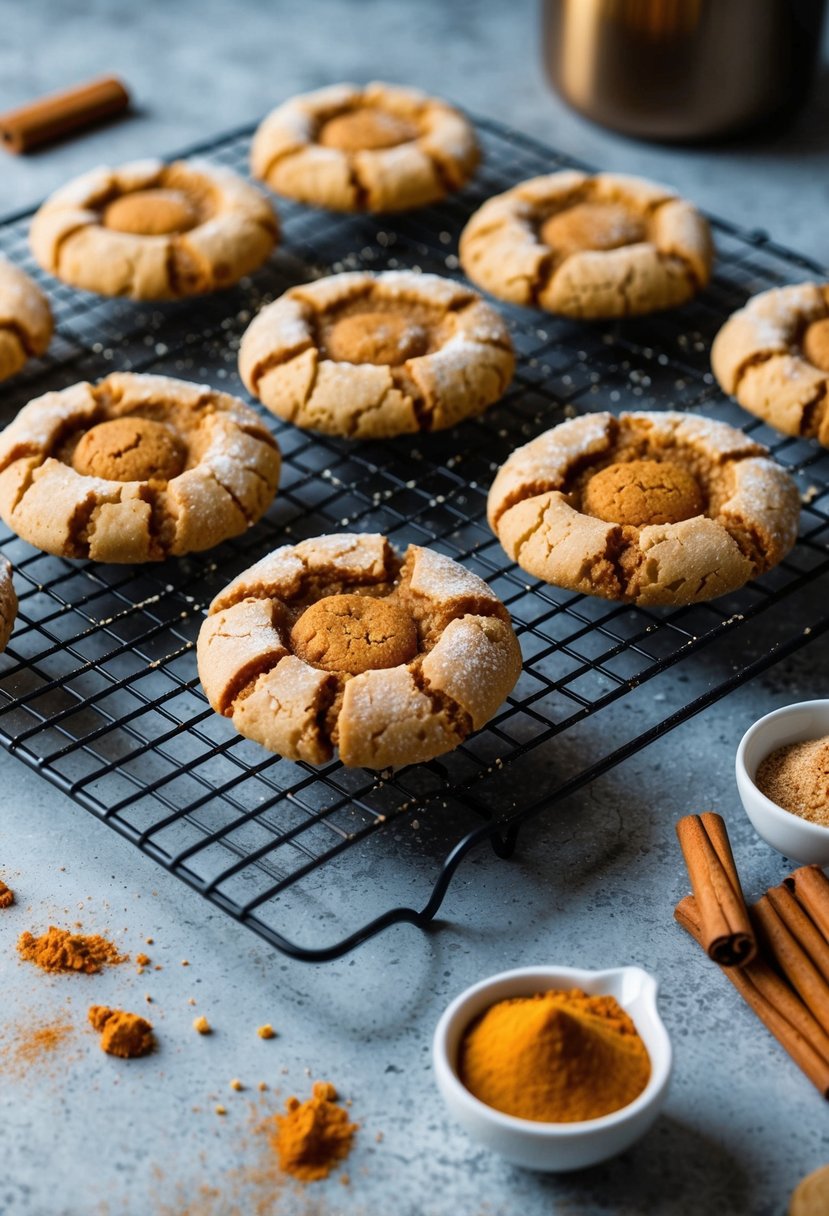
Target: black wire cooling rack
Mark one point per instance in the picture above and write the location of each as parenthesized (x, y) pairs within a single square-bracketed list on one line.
[(98, 688)]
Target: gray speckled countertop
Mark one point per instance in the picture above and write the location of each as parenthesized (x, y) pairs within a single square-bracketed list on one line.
[(591, 885)]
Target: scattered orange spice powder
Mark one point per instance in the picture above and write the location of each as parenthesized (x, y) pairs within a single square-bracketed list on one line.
[(60, 950), (6, 895), (313, 1136)]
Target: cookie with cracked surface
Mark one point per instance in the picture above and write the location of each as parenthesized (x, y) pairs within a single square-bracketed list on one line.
[(8, 603), (152, 231), (25, 319), (337, 642), (773, 356), (579, 246), (378, 148), (135, 468), (647, 508), (371, 356)]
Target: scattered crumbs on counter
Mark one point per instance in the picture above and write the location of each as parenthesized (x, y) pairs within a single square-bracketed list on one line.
[(266, 1032), (236, 1084), (202, 1025)]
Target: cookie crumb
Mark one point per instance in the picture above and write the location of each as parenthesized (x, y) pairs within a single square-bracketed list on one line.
[(237, 1085), (262, 1086), (202, 1025), (221, 1110), (266, 1032)]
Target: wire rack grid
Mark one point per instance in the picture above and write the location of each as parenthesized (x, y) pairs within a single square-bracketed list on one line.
[(98, 687)]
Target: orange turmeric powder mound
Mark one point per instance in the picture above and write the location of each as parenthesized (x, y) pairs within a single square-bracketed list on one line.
[(313, 1136), (557, 1057), (60, 950), (122, 1034), (6, 895)]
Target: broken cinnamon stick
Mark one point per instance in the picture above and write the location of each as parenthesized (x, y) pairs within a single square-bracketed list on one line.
[(785, 950), (779, 1008), (48, 118), (727, 933), (810, 887)]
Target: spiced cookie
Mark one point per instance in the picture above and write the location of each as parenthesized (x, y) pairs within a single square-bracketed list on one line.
[(372, 356), (649, 508), (135, 469), (8, 603), (25, 319), (603, 246), (379, 148), (773, 356), (153, 231), (337, 642)]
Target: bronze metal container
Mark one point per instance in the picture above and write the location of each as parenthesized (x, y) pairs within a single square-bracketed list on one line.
[(682, 69)]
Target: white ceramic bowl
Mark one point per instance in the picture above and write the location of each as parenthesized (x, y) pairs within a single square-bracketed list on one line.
[(805, 842), (555, 1147)]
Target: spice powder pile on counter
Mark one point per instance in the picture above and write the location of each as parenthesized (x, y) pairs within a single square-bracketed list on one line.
[(558, 1057), (312, 1137), (60, 950)]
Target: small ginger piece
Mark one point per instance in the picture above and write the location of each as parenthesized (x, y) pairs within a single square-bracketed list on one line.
[(122, 1034)]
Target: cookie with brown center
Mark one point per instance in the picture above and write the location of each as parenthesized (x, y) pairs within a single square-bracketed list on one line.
[(135, 468), (378, 148), (338, 642), (773, 356), (25, 319), (154, 231), (581, 246), (372, 356), (648, 508)]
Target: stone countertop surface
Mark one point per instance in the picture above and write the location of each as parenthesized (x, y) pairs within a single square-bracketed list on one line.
[(592, 884)]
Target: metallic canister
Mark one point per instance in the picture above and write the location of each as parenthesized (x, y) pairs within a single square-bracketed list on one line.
[(682, 69)]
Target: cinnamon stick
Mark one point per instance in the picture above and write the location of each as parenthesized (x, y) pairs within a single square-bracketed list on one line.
[(802, 927), (811, 889), (779, 1009), (727, 933), (48, 118), (785, 950)]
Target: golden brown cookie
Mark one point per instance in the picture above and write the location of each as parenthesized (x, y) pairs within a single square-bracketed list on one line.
[(580, 246), (338, 643), (379, 148), (811, 1196), (153, 231), (134, 469), (773, 356), (8, 603), (650, 508), (25, 319), (371, 356)]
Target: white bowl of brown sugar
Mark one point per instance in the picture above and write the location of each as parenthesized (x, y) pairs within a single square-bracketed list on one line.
[(783, 780)]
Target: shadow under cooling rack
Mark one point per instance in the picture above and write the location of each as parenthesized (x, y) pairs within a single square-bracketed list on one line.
[(98, 688)]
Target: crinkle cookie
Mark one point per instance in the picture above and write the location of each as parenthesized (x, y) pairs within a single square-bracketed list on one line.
[(650, 508), (773, 356), (379, 148), (8, 603), (135, 469), (337, 642), (603, 246), (154, 231), (25, 319), (371, 356)]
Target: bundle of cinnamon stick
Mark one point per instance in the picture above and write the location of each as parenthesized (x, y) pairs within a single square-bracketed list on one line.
[(776, 954)]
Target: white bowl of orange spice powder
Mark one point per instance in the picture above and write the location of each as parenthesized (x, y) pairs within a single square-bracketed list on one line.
[(783, 779), (555, 1068)]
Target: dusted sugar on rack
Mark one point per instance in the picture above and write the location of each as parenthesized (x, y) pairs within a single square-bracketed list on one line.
[(372, 356), (337, 642), (135, 468), (651, 508), (582, 246)]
